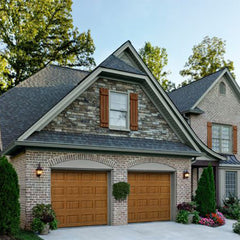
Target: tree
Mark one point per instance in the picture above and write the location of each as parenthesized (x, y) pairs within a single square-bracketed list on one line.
[(9, 195), (37, 32), (207, 58), (205, 193), (156, 59)]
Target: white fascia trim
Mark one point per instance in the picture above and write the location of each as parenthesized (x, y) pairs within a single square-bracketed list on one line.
[(69, 98), (229, 165), (209, 89)]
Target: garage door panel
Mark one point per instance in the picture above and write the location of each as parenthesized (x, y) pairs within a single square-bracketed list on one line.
[(83, 198), (149, 198)]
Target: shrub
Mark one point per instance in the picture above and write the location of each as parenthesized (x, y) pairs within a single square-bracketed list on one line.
[(231, 208), (231, 200), (207, 221), (205, 193), (188, 206), (196, 217), (213, 219), (9, 199), (182, 217), (37, 225), (236, 227), (43, 214), (121, 190), (218, 218)]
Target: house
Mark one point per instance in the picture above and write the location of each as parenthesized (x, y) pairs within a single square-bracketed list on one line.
[(88, 130), (211, 106)]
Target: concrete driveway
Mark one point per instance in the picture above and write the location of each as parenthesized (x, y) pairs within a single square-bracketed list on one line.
[(146, 231)]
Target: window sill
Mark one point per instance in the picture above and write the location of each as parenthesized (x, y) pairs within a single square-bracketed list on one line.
[(119, 129)]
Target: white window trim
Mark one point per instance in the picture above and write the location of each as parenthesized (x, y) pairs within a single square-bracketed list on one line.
[(220, 139), (111, 127)]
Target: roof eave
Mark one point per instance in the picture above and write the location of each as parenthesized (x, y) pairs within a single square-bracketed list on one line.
[(35, 144)]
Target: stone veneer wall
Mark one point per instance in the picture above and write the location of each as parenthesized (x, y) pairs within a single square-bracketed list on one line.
[(38, 190), (82, 116)]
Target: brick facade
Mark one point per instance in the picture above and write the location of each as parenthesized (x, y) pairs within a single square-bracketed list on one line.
[(38, 190), (82, 116), (222, 109)]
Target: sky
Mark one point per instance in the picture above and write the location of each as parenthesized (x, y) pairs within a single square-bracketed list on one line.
[(176, 25)]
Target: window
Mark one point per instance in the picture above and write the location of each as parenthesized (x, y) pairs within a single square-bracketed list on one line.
[(222, 88), (118, 110), (222, 138), (231, 183)]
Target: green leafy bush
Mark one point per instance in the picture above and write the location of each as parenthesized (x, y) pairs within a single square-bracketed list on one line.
[(37, 225), (121, 190), (231, 208), (205, 194), (9, 199), (236, 227), (43, 214), (196, 217), (53, 224), (182, 217)]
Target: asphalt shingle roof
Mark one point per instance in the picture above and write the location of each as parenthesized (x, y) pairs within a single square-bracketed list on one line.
[(185, 97), (114, 62), (231, 160), (24, 104), (108, 141)]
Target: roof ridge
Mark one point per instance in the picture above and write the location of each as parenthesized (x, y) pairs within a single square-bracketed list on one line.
[(198, 80), (65, 67)]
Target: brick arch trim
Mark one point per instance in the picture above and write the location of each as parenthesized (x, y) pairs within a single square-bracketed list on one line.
[(80, 156), (138, 162)]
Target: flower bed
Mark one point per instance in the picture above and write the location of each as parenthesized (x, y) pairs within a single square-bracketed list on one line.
[(213, 220)]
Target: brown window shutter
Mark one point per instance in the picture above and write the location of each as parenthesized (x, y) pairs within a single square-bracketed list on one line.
[(104, 105), (133, 111), (209, 134), (234, 139)]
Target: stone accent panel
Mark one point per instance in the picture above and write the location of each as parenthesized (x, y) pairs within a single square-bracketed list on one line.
[(83, 115), (38, 190)]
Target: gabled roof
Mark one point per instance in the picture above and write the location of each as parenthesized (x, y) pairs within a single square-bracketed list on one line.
[(187, 96), (81, 83), (24, 104), (116, 63)]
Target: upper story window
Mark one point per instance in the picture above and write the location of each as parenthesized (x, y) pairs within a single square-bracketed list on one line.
[(231, 183), (118, 110), (222, 88), (222, 138)]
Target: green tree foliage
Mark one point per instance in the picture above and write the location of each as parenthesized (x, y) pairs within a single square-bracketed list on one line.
[(9, 195), (207, 57), (156, 59), (37, 32), (205, 193)]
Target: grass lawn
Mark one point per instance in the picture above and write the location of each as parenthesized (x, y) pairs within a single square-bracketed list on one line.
[(26, 235)]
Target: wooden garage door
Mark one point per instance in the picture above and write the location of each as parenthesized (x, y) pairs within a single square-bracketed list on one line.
[(79, 198), (149, 199)]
